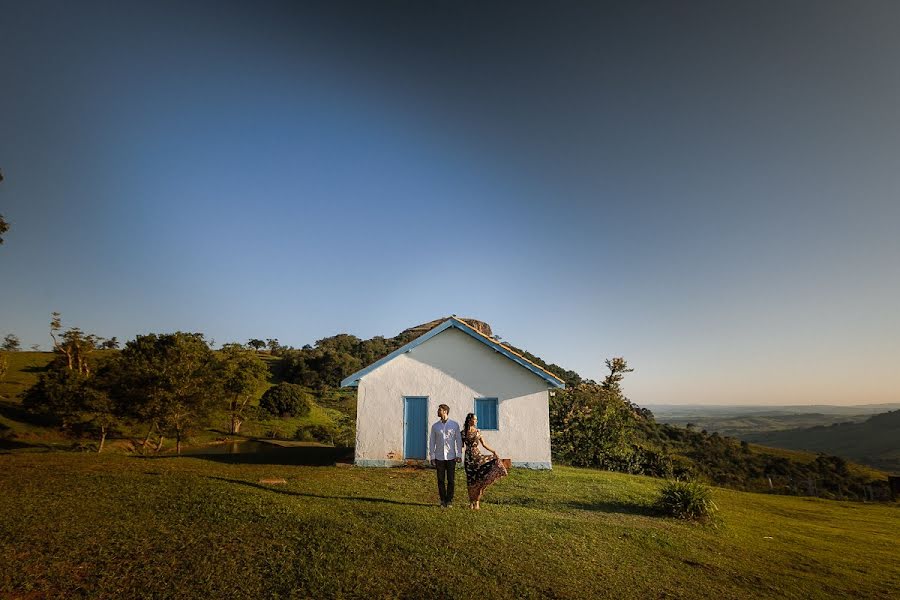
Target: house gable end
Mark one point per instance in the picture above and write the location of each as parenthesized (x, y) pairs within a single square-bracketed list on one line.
[(549, 378)]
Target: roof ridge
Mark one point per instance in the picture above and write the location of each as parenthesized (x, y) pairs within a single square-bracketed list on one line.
[(508, 349)]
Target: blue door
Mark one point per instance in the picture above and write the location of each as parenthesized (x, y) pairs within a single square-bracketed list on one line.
[(415, 423)]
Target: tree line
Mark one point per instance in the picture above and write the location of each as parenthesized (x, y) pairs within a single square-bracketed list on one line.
[(172, 382), (169, 382)]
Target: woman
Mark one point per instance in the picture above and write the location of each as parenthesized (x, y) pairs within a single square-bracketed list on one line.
[(481, 470)]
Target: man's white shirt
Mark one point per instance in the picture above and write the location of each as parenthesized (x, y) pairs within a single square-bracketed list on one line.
[(445, 441)]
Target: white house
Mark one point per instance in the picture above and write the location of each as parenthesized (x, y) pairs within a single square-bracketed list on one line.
[(454, 364)]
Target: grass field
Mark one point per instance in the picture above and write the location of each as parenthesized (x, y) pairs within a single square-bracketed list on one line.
[(118, 526)]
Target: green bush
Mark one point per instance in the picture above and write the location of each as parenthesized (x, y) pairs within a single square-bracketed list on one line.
[(339, 432), (287, 400), (690, 500)]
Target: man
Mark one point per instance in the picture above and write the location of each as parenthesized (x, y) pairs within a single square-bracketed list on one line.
[(445, 447)]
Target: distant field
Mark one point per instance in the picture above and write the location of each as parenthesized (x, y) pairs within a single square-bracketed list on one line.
[(124, 527), (870, 438), (875, 441), (742, 425)]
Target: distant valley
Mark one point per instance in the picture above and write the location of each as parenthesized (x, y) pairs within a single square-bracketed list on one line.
[(869, 434)]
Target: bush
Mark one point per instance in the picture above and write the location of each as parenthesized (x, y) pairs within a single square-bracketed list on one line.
[(286, 400), (339, 432), (690, 500)]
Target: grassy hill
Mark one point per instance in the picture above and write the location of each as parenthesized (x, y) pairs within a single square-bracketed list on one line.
[(17, 428), (24, 370), (873, 442), (123, 527)]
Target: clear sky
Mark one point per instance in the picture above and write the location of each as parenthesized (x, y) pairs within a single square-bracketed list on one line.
[(707, 189)]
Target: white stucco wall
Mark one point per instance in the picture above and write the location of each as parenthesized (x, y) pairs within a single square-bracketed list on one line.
[(453, 368)]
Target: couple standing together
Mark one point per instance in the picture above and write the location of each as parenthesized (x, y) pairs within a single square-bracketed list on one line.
[(446, 444)]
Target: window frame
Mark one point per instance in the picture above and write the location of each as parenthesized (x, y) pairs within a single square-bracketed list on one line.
[(496, 411)]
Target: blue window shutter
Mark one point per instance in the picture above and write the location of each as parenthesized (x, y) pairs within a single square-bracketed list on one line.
[(486, 411)]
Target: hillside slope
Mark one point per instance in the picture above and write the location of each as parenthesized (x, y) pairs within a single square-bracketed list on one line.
[(122, 527), (875, 441)]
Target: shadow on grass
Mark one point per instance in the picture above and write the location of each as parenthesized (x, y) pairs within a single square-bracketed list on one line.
[(269, 488), (606, 506), (8, 444), (612, 507), (312, 456), (16, 412)]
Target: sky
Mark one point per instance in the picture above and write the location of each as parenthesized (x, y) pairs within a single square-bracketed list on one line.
[(708, 189)]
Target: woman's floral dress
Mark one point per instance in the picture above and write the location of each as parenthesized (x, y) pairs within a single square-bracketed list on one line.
[(481, 470)]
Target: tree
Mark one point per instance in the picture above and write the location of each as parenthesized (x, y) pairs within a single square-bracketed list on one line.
[(74, 344), (73, 399), (256, 344), (170, 380), (11, 343), (273, 345), (617, 369), (241, 373), (318, 367), (110, 344), (286, 400), (590, 426)]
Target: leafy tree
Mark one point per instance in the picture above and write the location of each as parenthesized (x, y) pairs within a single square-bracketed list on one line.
[(286, 400), (318, 367), (71, 399), (170, 380), (110, 344), (74, 344), (591, 426), (256, 344), (273, 345), (11, 343), (617, 369), (241, 372)]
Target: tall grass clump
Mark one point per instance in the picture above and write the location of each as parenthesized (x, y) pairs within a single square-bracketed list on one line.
[(690, 500)]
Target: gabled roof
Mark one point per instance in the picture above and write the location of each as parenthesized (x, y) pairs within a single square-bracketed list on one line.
[(550, 378)]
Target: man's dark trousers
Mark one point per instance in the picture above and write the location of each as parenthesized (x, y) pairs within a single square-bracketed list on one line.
[(446, 470)]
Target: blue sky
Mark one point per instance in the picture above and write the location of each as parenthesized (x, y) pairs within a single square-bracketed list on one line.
[(707, 190)]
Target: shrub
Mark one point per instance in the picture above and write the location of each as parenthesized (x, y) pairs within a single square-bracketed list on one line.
[(690, 500), (286, 400), (339, 432)]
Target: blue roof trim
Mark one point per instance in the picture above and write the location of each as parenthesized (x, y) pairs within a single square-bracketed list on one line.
[(353, 380)]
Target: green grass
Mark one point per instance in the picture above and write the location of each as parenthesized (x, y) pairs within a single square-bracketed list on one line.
[(117, 526), (24, 370)]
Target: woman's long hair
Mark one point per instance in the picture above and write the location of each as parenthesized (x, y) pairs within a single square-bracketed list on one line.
[(467, 425)]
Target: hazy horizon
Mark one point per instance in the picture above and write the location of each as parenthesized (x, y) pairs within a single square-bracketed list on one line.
[(707, 189)]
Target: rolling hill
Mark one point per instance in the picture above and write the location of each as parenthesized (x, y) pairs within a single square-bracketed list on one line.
[(875, 441)]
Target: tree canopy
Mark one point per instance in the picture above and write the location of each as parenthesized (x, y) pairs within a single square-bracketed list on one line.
[(170, 380)]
